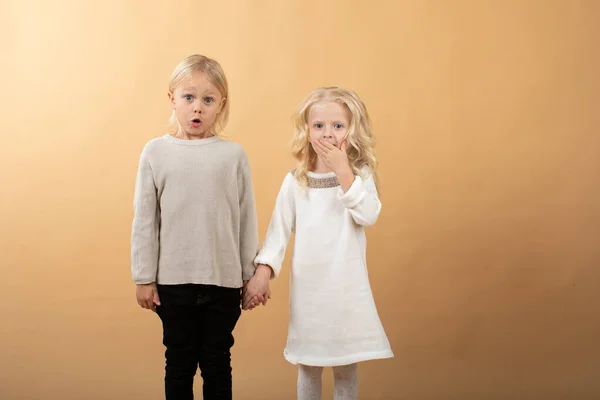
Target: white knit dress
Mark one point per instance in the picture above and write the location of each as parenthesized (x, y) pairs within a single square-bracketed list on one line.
[(333, 317)]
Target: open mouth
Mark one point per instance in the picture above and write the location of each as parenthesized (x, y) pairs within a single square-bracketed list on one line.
[(196, 120)]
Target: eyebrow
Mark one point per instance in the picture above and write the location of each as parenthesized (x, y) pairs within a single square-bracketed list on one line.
[(193, 90)]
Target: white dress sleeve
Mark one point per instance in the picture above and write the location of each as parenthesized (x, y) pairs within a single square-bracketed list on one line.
[(362, 200), (280, 228)]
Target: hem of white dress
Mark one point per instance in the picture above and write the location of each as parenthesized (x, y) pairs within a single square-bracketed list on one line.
[(333, 362)]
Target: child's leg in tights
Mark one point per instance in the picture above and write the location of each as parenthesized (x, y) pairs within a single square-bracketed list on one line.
[(346, 382), (309, 382)]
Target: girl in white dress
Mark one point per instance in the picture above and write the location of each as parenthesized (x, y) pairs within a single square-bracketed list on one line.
[(327, 201)]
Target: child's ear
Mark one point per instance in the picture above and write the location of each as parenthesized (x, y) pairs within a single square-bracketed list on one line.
[(171, 99), (223, 101)]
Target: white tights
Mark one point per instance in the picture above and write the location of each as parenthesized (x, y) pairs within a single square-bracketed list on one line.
[(345, 382)]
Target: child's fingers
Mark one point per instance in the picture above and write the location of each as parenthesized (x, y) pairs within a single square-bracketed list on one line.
[(328, 148), (267, 295), (251, 302), (247, 296), (156, 299), (344, 145), (322, 151), (248, 300), (254, 302), (326, 145), (245, 302), (318, 147)]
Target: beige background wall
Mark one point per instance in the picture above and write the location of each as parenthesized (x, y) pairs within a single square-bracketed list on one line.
[(485, 262)]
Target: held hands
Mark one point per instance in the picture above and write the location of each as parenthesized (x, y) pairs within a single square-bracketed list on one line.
[(147, 296), (256, 291)]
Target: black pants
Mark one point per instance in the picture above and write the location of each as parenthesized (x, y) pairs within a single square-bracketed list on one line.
[(198, 321)]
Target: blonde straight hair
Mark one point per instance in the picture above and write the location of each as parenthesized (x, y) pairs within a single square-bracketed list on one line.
[(213, 70), (360, 139)]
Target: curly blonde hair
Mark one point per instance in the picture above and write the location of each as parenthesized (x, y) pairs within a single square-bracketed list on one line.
[(360, 139), (213, 70)]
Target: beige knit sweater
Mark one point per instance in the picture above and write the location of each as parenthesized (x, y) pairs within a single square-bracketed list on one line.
[(194, 214)]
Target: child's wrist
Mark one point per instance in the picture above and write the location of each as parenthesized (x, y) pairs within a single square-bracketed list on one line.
[(344, 170), (263, 271), (346, 177)]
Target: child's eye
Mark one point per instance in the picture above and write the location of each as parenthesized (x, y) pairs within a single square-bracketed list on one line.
[(208, 100), (338, 126), (318, 126), (188, 97)]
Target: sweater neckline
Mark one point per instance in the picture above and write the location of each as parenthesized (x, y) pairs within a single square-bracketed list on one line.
[(196, 142)]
